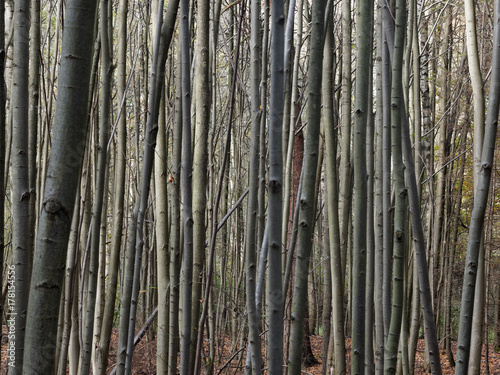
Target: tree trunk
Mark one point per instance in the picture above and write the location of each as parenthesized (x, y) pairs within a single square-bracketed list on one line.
[(274, 289), (17, 300), (478, 212), (330, 120), (68, 143), (102, 156), (364, 41), (187, 188), (307, 194), (391, 349)]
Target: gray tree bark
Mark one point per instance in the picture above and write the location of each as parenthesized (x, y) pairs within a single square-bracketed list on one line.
[(99, 196), (102, 351), (251, 230), (338, 342), (307, 194), (397, 103), (187, 188), (480, 201), (274, 287), (68, 143), (363, 72), (17, 298)]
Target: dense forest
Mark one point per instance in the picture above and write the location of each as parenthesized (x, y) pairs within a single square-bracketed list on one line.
[(240, 176)]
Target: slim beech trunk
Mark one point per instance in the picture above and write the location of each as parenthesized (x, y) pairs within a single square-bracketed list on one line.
[(69, 287), (345, 191), (102, 350), (251, 230), (162, 243), (480, 201), (391, 349), (379, 207), (68, 143), (17, 300), (338, 342), (261, 216), (307, 194), (363, 72), (370, 233), (200, 161), (274, 288), (99, 196), (126, 293), (187, 188), (34, 84), (175, 247), (476, 83), (479, 116)]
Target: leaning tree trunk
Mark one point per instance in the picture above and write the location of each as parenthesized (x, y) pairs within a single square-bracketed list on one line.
[(68, 144), (480, 201), (34, 99)]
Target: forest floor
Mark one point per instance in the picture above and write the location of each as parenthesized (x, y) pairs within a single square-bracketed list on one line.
[(231, 362)]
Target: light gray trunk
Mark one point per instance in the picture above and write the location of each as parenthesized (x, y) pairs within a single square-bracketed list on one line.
[(480, 201)]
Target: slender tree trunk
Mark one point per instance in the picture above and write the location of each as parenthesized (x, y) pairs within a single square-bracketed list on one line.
[(69, 287), (34, 97), (364, 41), (345, 191), (379, 207), (480, 200), (187, 188), (17, 300), (370, 233), (102, 156), (162, 242), (175, 249), (251, 230), (200, 161), (391, 349), (118, 196), (68, 143), (338, 342), (274, 288), (307, 194)]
